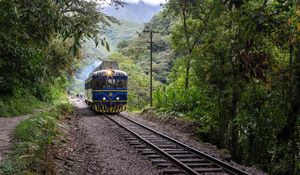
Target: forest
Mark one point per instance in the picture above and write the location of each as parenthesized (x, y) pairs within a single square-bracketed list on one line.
[(232, 66)]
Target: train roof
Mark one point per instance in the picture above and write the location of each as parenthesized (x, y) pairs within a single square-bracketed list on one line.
[(104, 73), (107, 65)]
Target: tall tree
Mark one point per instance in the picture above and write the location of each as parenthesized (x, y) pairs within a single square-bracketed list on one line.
[(33, 33), (247, 62), (194, 17), (290, 132)]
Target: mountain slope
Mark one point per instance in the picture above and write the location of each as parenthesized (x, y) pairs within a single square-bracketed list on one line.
[(131, 18), (138, 13)]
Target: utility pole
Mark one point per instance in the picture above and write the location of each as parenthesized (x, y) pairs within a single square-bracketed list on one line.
[(151, 60)]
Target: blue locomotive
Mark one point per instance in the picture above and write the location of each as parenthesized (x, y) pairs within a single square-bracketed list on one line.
[(106, 90)]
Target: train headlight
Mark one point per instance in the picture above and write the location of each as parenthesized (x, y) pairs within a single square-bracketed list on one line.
[(103, 98), (109, 72), (118, 98)]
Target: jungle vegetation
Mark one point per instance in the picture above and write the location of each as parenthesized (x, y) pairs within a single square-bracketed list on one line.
[(240, 64), (40, 48), (40, 43), (234, 67)]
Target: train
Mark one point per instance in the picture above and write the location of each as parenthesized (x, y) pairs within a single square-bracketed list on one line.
[(106, 88)]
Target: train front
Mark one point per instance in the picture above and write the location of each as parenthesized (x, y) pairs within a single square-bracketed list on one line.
[(109, 91)]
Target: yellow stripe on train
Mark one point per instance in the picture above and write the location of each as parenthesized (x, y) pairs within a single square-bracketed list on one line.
[(112, 109), (109, 90)]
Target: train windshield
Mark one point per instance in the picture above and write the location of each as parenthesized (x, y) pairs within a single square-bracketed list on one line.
[(110, 82), (115, 83)]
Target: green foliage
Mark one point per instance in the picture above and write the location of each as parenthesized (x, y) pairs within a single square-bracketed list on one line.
[(32, 138), (138, 48), (22, 102), (124, 30), (138, 82), (244, 65), (122, 44), (40, 43), (243, 75), (179, 101), (116, 33)]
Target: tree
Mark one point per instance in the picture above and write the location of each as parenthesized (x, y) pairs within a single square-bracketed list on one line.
[(246, 64), (40, 39), (290, 132), (194, 17)]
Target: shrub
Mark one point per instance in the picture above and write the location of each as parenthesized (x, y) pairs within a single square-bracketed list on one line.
[(191, 102), (22, 102)]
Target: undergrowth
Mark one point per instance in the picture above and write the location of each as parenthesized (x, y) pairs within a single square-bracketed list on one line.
[(190, 103), (20, 103), (25, 101), (32, 138)]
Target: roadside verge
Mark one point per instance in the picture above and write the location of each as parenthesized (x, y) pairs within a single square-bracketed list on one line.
[(32, 138)]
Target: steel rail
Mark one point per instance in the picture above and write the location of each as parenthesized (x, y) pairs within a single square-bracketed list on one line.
[(179, 164), (227, 167)]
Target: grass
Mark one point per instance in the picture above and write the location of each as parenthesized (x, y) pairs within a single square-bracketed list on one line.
[(32, 138), (24, 101), (19, 105)]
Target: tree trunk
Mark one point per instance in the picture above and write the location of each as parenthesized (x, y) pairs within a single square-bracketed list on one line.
[(291, 54), (188, 65), (288, 134), (234, 127), (188, 44)]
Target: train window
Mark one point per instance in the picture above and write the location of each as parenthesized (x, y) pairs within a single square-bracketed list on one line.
[(121, 83), (98, 84), (111, 83)]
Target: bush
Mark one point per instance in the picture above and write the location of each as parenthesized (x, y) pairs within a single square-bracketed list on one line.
[(25, 101), (22, 102), (190, 102)]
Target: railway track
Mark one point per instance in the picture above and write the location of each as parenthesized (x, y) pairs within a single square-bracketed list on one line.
[(168, 154)]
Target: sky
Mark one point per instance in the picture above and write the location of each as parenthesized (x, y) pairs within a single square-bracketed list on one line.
[(150, 2)]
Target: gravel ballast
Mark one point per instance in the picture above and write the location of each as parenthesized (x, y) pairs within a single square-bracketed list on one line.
[(94, 145), (184, 132)]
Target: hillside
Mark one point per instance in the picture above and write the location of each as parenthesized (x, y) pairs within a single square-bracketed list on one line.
[(113, 35), (131, 18), (138, 13), (163, 57)]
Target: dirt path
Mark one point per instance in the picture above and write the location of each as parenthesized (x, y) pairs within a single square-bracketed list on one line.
[(94, 145), (7, 127)]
